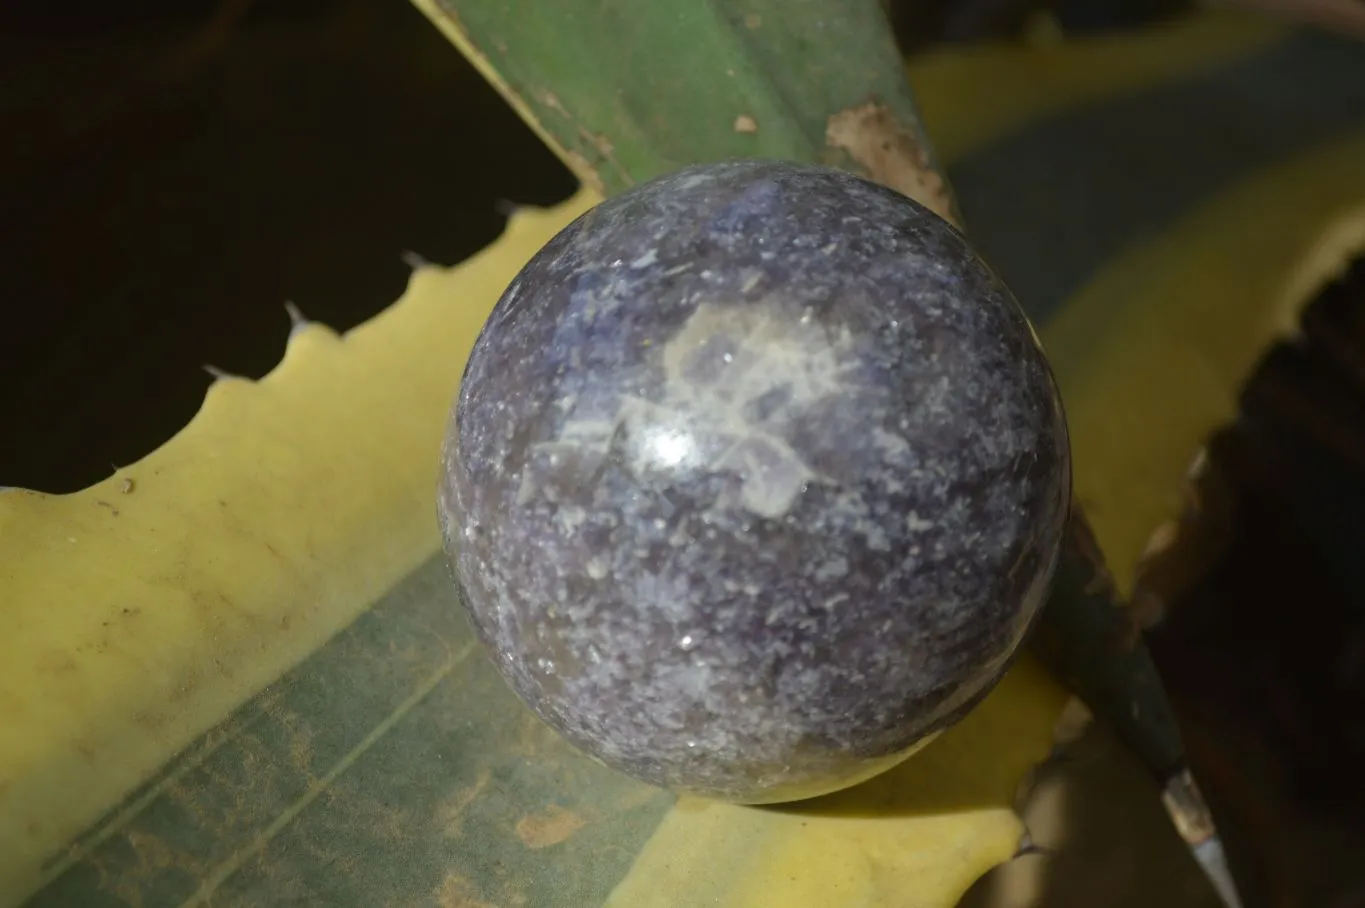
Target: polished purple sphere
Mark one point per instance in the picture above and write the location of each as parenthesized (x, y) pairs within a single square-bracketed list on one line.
[(756, 480)]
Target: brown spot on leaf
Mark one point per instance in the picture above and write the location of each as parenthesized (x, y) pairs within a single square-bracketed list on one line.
[(456, 892), (552, 101), (601, 143), (753, 20), (553, 826), (746, 124), (890, 153)]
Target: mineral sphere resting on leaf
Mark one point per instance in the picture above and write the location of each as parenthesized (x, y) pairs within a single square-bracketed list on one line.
[(755, 480)]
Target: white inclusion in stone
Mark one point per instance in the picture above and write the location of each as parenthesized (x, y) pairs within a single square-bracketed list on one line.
[(669, 448)]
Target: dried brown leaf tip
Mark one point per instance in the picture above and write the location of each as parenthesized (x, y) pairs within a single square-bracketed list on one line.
[(553, 826), (890, 153)]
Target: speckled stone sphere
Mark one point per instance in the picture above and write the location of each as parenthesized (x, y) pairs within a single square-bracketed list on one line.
[(755, 481)]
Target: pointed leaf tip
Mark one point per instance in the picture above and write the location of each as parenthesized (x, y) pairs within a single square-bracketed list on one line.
[(415, 260), (296, 317)]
